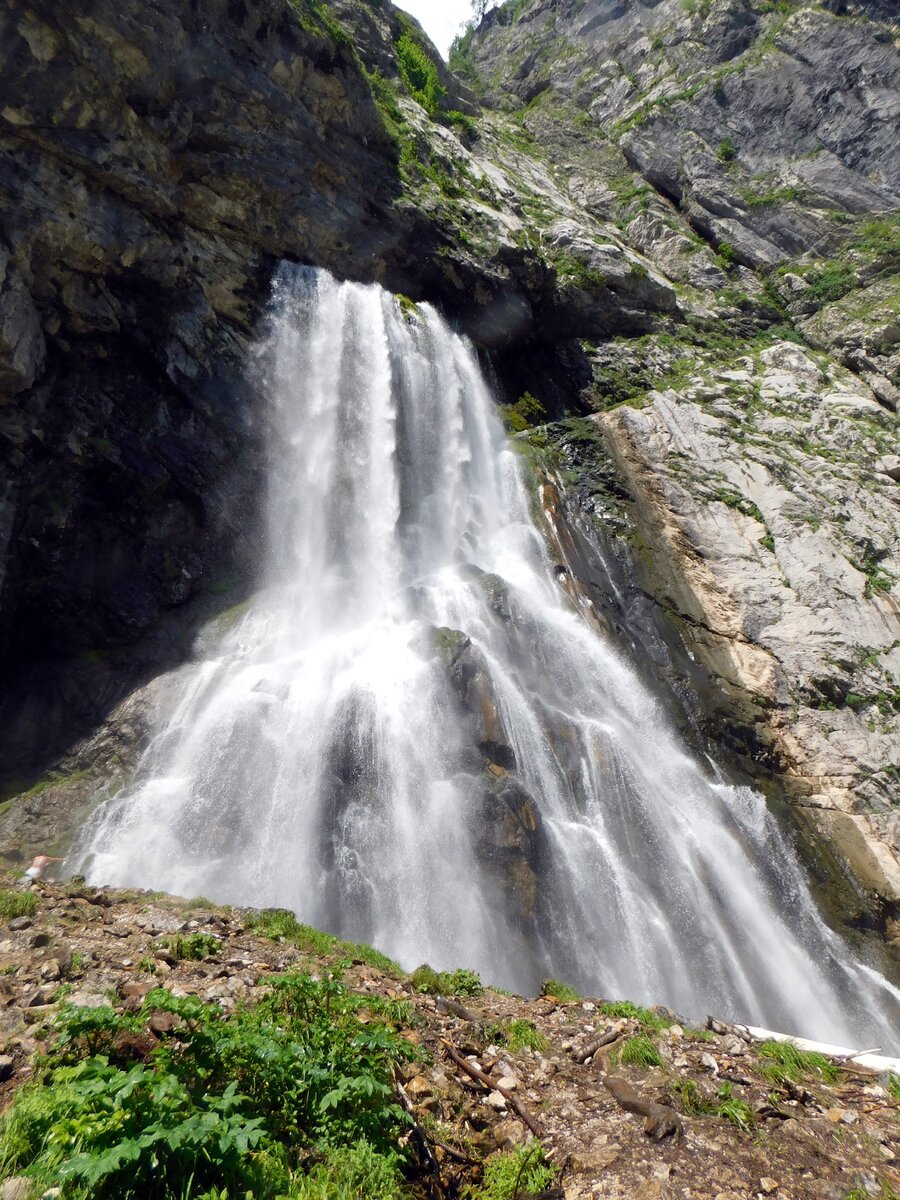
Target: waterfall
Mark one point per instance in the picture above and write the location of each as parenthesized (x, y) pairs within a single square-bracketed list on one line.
[(412, 738)]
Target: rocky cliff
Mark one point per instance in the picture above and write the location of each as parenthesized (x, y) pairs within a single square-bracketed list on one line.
[(678, 219), (747, 149)]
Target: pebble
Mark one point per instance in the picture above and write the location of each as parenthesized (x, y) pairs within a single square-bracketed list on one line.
[(496, 1100), (767, 1186), (709, 1062)]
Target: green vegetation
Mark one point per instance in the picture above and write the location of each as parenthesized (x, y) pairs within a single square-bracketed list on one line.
[(732, 499), (782, 1061), (290, 1098), (282, 926), (420, 74), (568, 266), (446, 983), (408, 308), (725, 1105), (193, 946), (640, 1051), (633, 1012), (893, 1085), (733, 1109), (507, 1176), (876, 242), (16, 904), (524, 414), (877, 578), (760, 199), (693, 1102), (727, 151), (385, 97), (830, 282), (559, 991), (516, 1035)]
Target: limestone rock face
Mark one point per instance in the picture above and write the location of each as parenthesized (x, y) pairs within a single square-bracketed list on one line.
[(748, 152), (774, 543), (759, 125)]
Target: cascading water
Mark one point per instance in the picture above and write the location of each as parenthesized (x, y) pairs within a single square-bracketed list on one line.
[(412, 738)]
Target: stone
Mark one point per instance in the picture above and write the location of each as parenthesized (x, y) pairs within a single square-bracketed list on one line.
[(889, 465), (17, 1188), (7, 1066), (136, 989), (768, 1185), (85, 999), (19, 923), (496, 1100), (419, 1087), (509, 1133)]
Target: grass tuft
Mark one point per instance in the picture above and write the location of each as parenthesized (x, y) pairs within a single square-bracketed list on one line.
[(640, 1051), (559, 991), (16, 904), (282, 926), (782, 1061), (522, 1172)]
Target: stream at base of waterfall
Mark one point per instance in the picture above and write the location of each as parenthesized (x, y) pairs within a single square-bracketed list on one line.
[(411, 737)]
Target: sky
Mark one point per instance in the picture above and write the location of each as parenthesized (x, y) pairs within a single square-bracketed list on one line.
[(441, 19)]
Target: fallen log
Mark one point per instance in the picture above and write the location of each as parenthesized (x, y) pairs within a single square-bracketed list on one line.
[(446, 1005), (476, 1073), (589, 1046)]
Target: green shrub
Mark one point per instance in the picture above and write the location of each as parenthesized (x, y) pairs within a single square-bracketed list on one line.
[(193, 946), (420, 74), (461, 123), (693, 1101), (518, 1173), (16, 904), (446, 983), (524, 414), (830, 282), (240, 1102), (583, 276), (727, 151)]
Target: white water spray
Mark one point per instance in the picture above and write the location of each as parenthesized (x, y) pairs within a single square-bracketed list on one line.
[(412, 739)]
